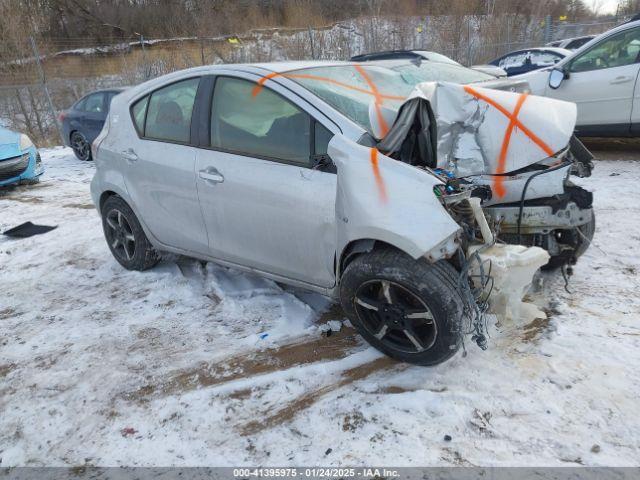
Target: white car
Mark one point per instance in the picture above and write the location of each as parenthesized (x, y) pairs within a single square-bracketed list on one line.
[(571, 43), (602, 79)]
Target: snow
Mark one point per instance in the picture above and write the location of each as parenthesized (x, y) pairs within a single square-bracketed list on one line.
[(103, 366)]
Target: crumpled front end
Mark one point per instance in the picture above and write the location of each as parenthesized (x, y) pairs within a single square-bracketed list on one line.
[(519, 147)]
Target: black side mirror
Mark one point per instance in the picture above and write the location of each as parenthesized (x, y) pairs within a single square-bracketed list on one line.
[(323, 163)]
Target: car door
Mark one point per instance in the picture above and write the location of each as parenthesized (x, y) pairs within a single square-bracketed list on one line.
[(601, 81), (158, 165), (264, 205)]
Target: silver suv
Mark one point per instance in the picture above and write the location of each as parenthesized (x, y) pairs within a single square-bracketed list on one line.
[(248, 166)]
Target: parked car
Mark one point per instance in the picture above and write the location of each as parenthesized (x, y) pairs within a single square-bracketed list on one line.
[(82, 123), (571, 43), (602, 79), (273, 169), (529, 59), (425, 55), (19, 159)]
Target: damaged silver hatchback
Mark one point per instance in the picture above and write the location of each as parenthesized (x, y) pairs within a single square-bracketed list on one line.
[(328, 176)]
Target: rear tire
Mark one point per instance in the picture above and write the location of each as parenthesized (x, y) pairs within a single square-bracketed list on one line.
[(125, 237), (408, 309), (81, 147)]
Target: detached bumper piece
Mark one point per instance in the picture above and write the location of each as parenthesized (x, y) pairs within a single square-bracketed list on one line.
[(13, 167)]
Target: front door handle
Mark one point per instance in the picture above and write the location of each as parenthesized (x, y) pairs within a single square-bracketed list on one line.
[(621, 79), (211, 175), (130, 155)]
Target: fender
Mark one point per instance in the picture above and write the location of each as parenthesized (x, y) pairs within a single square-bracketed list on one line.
[(382, 199)]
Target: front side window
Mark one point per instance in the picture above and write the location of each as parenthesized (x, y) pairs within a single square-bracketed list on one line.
[(620, 50), (94, 103), (169, 112), (252, 120)]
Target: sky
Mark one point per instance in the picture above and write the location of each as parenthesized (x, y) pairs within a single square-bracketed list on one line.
[(603, 6)]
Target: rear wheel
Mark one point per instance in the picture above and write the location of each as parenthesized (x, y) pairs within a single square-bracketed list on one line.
[(409, 309), (81, 147), (125, 237)]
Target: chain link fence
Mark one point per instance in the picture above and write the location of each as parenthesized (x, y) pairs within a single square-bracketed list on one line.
[(48, 76)]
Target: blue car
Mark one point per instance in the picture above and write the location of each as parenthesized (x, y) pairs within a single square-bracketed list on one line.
[(82, 123), (19, 159)]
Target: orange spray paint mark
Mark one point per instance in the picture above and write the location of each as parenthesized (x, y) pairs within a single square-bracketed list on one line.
[(513, 122), (502, 159), (378, 100), (382, 191), (261, 82)]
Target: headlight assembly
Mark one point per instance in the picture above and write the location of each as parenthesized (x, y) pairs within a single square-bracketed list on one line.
[(25, 142)]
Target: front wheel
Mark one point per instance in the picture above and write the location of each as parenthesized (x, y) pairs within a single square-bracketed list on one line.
[(125, 236), (409, 309)]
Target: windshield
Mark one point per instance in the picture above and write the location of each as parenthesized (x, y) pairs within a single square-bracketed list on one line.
[(351, 88)]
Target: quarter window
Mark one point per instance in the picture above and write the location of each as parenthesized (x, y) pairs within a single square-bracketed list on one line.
[(169, 112), (620, 50), (256, 121), (139, 110)]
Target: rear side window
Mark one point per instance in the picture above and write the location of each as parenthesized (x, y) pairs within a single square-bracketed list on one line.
[(169, 111), (93, 103), (256, 121), (138, 112)]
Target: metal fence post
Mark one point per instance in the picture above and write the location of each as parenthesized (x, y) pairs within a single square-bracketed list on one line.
[(43, 79), (313, 50), (547, 29), (469, 41)]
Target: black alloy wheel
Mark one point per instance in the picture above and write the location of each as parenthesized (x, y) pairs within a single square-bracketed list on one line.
[(81, 147)]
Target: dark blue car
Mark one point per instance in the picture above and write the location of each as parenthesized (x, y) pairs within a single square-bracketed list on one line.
[(82, 123)]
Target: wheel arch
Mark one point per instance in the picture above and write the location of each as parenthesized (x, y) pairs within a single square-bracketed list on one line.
[(359, 247)]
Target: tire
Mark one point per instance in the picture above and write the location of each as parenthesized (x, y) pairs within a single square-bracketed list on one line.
[(372, 279), (125, 237), (81, 147)]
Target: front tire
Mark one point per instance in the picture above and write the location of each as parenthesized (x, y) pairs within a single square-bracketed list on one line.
[(125, 237), (408, 309), (81, 147)]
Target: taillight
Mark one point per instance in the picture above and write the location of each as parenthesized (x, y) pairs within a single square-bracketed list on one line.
[(101, 136), (61, 116)]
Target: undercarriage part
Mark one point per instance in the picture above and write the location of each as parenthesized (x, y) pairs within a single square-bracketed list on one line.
[(563, 225), (524, 192)]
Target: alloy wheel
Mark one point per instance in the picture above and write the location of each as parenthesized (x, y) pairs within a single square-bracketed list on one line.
[(120, 235), (395, 316), (80, 146)]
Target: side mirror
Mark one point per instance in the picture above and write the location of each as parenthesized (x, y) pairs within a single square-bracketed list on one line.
[(556, 77)]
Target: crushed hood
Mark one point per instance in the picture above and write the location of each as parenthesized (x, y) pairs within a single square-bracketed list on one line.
[(479, 130)]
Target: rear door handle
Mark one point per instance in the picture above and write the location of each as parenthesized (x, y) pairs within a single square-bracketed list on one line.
[(621, 79), (129, 155), (211, 175)]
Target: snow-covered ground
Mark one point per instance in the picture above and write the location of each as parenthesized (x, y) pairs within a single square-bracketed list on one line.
[(192, 364)]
